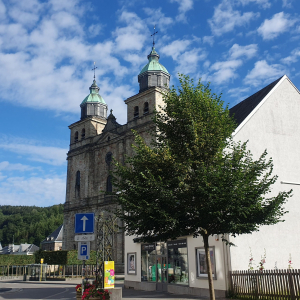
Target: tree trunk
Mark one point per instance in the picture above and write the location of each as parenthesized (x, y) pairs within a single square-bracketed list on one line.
[(209, 271)]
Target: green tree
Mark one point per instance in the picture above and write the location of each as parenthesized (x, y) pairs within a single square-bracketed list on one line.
[(194, 179)]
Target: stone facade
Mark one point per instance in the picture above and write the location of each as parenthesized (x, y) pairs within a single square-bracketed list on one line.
[(89, 162)]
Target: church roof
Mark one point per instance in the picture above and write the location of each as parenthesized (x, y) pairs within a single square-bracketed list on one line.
[(241, 111), (153, 64), (94, 95)]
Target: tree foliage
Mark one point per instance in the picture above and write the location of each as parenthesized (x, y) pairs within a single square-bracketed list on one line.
[(28, 224), (194, 179)]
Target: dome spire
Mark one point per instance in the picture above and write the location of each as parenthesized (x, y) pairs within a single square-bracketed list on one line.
[(153, 74), (93, 104)]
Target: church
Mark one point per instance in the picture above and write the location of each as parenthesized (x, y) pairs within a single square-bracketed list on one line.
[(269, 119), (96, 139)]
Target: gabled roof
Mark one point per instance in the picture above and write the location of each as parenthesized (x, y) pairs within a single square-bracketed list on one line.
[(243, 109), (55, 236), (17, 249)]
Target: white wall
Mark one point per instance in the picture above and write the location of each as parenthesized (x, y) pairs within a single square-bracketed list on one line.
[(275, 126), (221, 263)]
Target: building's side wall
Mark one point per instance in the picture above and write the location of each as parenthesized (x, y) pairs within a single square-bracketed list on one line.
[(275, 127)]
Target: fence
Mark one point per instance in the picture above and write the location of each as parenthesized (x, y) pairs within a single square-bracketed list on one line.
[(267, 284), (52, 271)]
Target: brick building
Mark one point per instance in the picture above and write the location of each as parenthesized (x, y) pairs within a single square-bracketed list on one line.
[(96, 138)]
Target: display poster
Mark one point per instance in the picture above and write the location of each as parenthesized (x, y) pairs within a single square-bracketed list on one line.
[(109, 274)]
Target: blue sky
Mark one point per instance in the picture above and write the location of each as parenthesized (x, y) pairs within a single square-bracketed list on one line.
[(47, 50)]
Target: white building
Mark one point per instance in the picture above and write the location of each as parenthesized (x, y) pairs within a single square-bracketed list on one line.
[(269, 119)]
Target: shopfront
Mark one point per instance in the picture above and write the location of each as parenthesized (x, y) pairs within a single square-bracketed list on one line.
[(177, 266), (165, 263)]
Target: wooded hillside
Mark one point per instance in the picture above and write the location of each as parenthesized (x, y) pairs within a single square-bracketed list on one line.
[(28, 224)]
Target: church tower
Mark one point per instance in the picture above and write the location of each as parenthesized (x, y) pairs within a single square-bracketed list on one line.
[(97, 138)]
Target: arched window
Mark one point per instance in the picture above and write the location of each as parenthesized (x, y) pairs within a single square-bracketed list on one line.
[(136, 112), (109, 184), (108, 158), (82, 133), (146, 108), (76, 137), (77, 184)]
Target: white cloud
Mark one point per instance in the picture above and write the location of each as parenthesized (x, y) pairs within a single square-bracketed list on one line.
[(263, 3), (132, 36), (188, 62), (224, 71), (238, 93), (287, 3), (45, 154), (25, 12), (175, 48), (208, 40), (291, 58), (6, 166), (279, 23), (263, 73), (41, 191), (156, 17), (225, 19), (248, 51), (184, 7), (2, 11)]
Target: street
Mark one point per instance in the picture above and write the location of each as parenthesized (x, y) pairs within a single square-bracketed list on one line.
[(19, 290)]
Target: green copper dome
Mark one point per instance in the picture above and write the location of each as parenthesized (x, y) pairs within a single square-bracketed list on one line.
[(94, 95), (153, 64)]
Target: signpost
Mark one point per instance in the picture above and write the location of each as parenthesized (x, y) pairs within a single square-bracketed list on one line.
[(84, 223)]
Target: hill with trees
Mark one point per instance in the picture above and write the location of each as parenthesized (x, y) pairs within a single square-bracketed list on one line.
[(28, 224)]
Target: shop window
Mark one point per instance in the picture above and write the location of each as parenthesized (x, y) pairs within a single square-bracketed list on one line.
[(146, 108), (148, 262), (77, 184), (136, 112), (76, 137), (178, 271), (83, 134), (108, 184), (201, 262)]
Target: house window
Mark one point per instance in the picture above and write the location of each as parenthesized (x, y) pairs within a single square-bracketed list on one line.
[(146, 108), (136, 112), (108, 184), (77, 184), (82, 133), (76, 137)]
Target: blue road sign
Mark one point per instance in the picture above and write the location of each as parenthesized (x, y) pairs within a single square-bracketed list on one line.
[(84, 223), (83, 250)]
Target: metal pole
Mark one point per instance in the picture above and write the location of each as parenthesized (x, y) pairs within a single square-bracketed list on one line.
[(83, 273)]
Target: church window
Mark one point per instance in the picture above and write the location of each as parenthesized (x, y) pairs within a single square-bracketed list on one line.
[(109, 184), (146, 108), (108, 158), (82, 133), (76, 137), (136, 112), (77, 184)]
